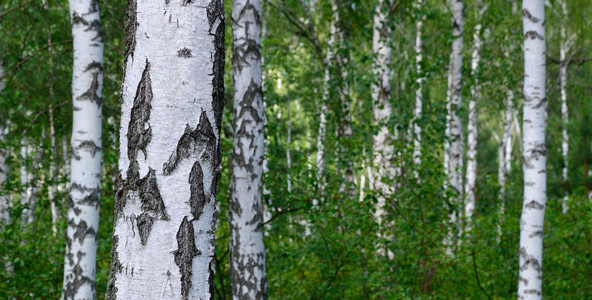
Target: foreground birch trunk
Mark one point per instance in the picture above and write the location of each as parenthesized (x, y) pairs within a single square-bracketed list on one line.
[(534, 152), (172, 99), (563, 49), (383, 150), (247, 252), (471, 175), (85, 177)]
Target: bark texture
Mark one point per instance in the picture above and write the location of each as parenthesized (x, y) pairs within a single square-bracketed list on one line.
[(85, 177), (172, 100), (417, 112), (247, 252), (534, 152), (563, 49)]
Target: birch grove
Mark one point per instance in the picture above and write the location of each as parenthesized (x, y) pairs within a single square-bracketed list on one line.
[(367, 149)]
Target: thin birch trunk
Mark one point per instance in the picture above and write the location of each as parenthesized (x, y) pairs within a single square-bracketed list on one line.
[(504, 157), (172, 100), (471, 175), (417, 112), (453, 149), (86, 147), (52, 187), (247, 252), (288, 142), (24, 182), (383, 150), (535, 151), (564, 48), (5, 218)]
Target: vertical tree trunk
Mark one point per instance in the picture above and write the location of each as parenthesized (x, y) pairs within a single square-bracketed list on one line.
[(383, 150), (419, 92), (471, 180), (505, 156), (4, 168), (85, 178), (247, 252), (454, 120), (453, 146), (24, 182), (172, 99), (563, 90), (288, 142), (535, 151), (52, 188)]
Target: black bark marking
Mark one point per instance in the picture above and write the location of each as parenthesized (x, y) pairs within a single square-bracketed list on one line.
[(139, 131), (115, 268), (77, 19), (150, 196), (144, 223), (81, 230), (533, 291), (533, 35), (95, 25), (528, 15), (92, 94), (184, 254), (120, 200), (215, 13), (535, 205), (186, 2), (185, 53), (247, 46), (198, 198), (94, 65), (538, 233), (92, 199), (89, 146), (74, 281), (200, 140), (529, 261), (131, 25)]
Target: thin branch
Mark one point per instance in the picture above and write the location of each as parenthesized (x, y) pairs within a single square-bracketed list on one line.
[(4, 13), (578, 61), (477, 275), (26, 59)]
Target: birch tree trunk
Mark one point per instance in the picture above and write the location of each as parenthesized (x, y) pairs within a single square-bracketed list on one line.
[(85, 177), (247, 252), (4, 195), (535, 151), (564, 112), (172, 99), (471, 175), (383, 150), (24, 182), (320, 161), (505, 156), (454, 121), (419, 92)]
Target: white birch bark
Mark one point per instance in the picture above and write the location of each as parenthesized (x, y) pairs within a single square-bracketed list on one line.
[(563, 91), (383, 150), (505, 156), (247, 252), (534, 153), (85, 177), (321, 137), (52, 188), (471, 174), (4, 168), (417, 112), (172, 99), (454, 126), (34, 154), (24, 182)]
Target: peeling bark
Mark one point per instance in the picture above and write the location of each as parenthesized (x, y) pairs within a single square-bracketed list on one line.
[(165, 215), (534, 151), (85, 178), (247, 252)]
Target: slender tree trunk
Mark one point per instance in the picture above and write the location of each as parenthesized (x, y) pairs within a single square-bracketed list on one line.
[(453, 146), (417, 112), (85, 178), (563, 90), (52, 188), (24, 182), (34, 153), (454, 126), (383, 150), (535, 151), (4, 168), (505, 157), (247, 252), (288, 142), (172, 99), (321, 137), (471, 175)]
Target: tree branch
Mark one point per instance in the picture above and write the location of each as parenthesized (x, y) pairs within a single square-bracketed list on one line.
[(26, 59), (4, 13)]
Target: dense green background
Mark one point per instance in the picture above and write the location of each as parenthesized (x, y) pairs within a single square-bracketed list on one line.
[(338, 259)]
